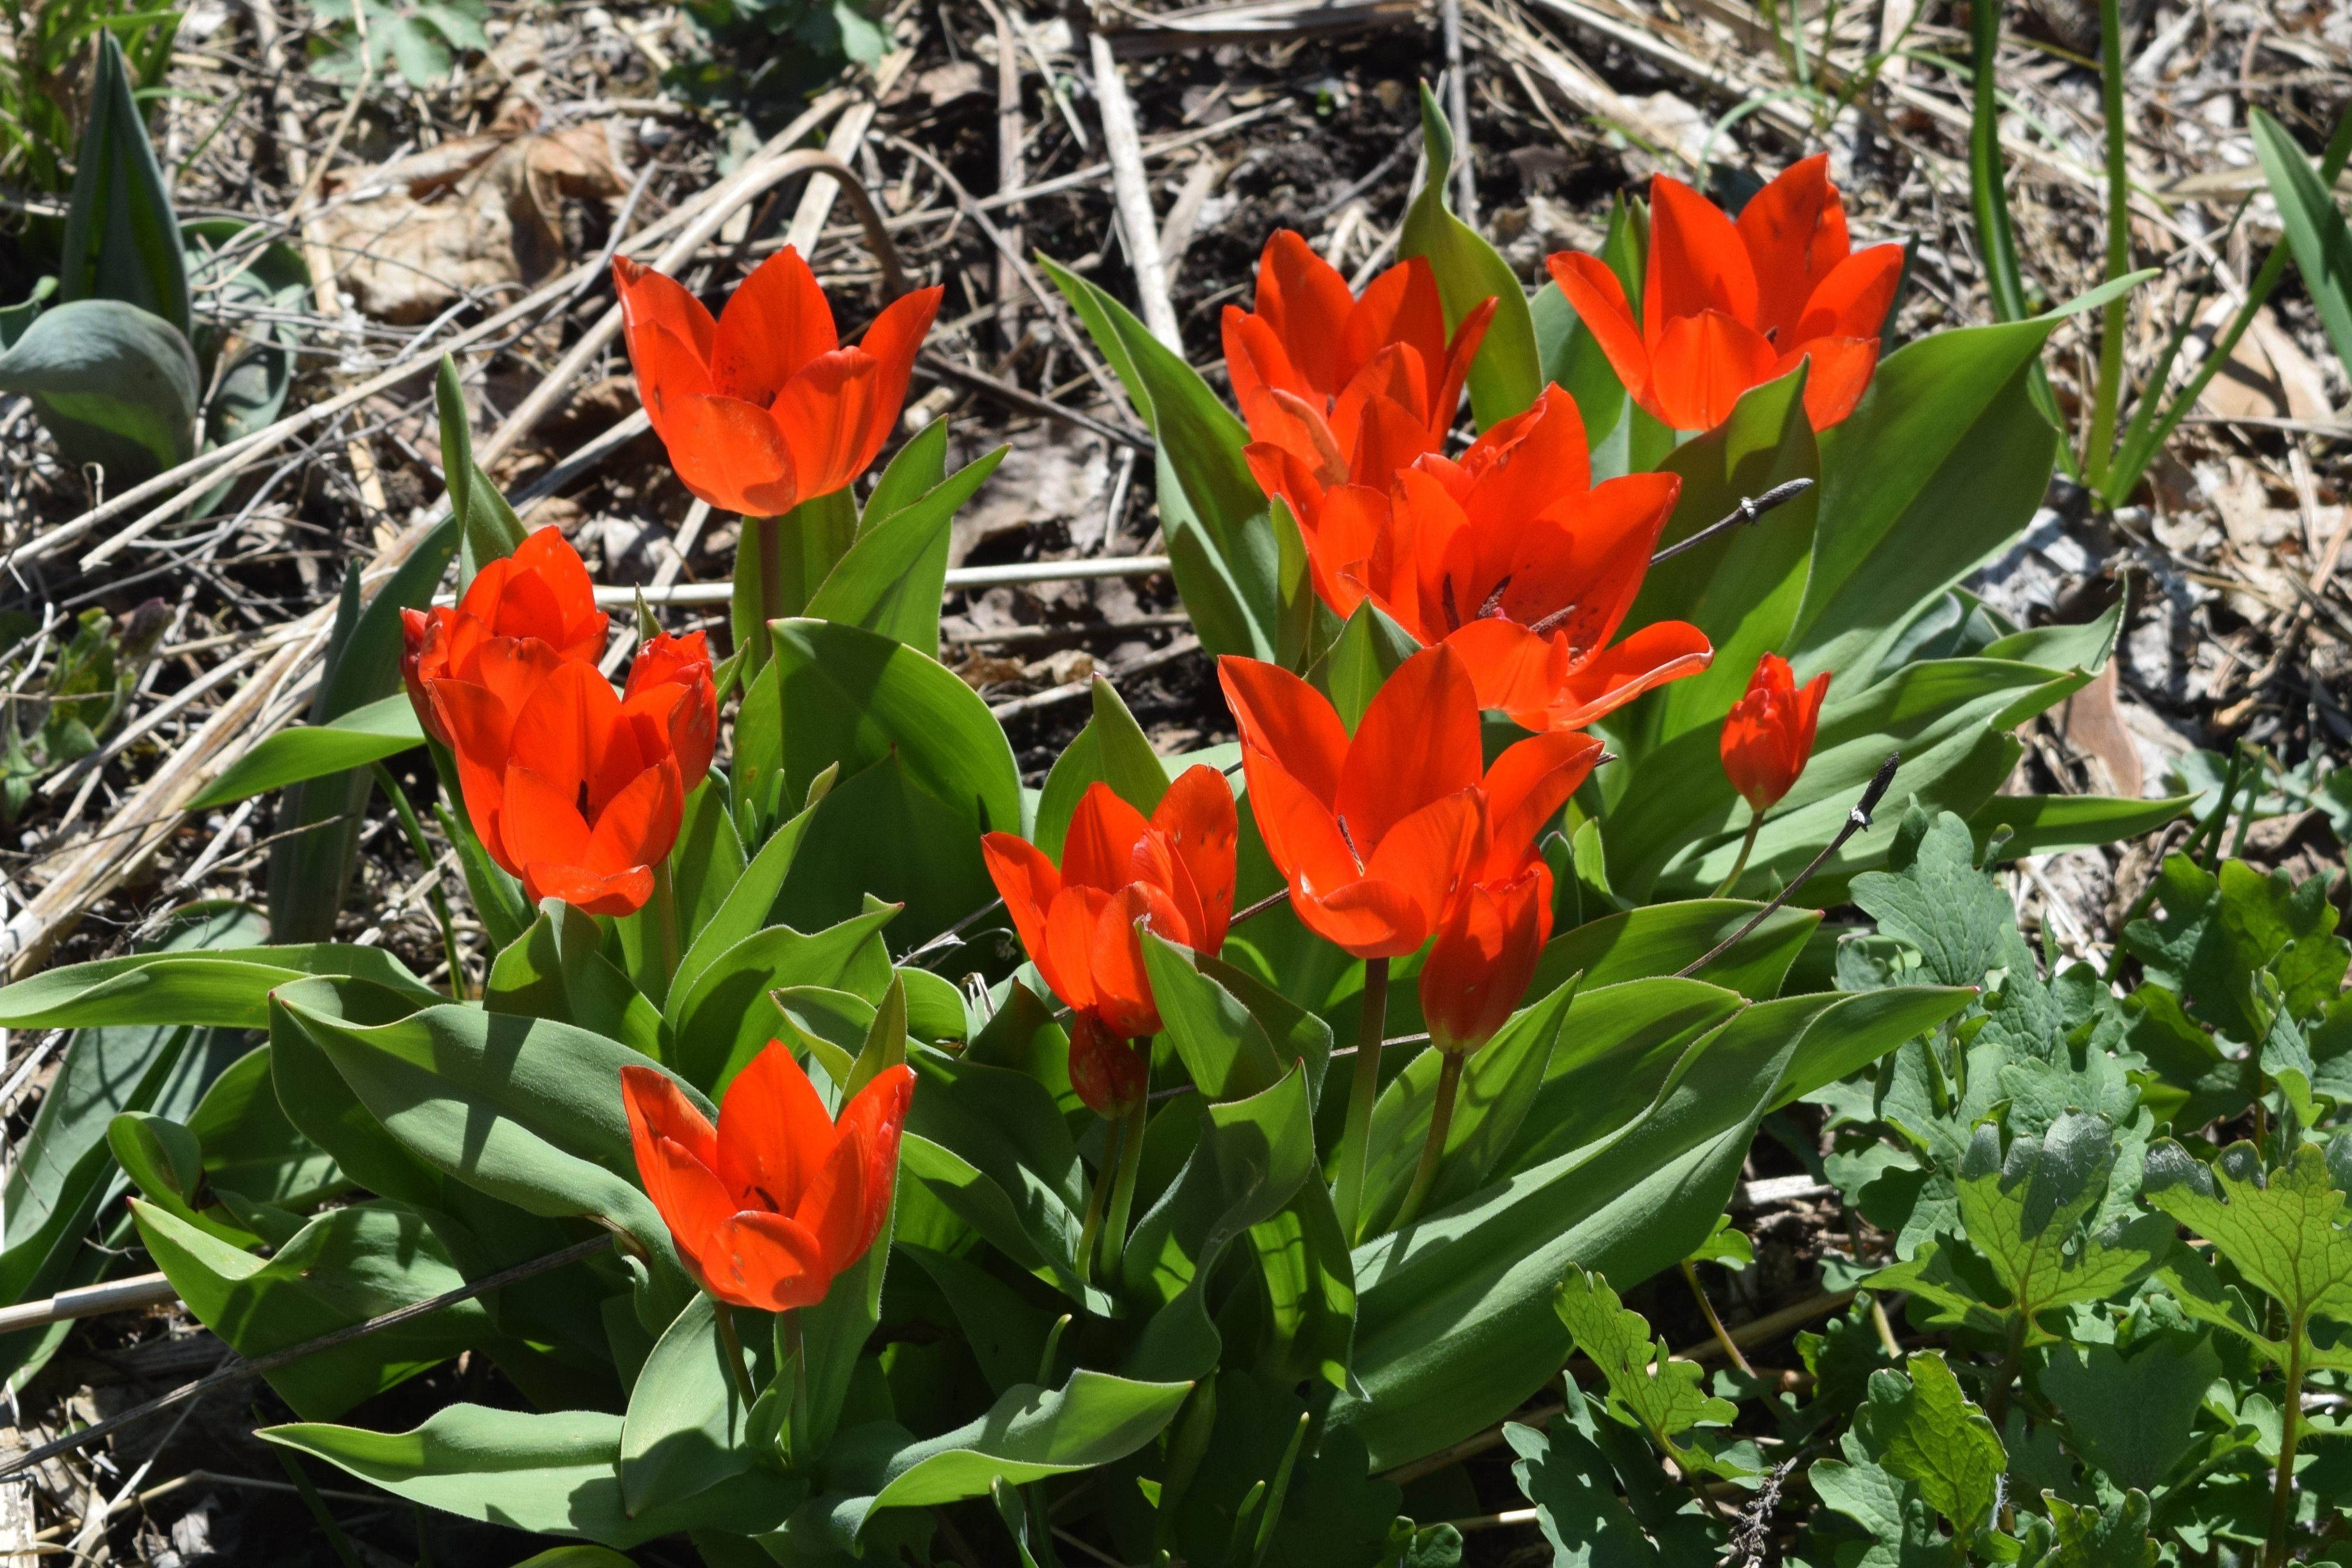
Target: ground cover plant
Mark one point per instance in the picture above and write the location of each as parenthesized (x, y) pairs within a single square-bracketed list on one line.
[(817, 1139)]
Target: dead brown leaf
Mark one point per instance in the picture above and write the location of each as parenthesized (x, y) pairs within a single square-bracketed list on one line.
[(2091, 722), (476, 213)]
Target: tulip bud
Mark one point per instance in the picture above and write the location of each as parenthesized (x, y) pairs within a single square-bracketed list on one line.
[(1483, 958), (1767, 737), (1110, 1074)]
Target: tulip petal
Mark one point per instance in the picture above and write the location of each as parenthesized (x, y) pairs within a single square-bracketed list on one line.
[(542, 820), (768, 1261), (777, 321), (1115, 959), (834, 1207), (1026, 880), (592, 892), (1598, 299), (1483, 958), (1101, 840), (1546, 466), (731, 454), (879, 1112), (1658, 652), (1699, 366), (1794, 229), (826, 412), (1204, 828), (1067, 963), (1417, 742), (773, 1134), (1365, 919), (1428, 853), (1840, 372), (1301, 837), (1255, 358), (1400, 306), (892, 342), (639, 827), (1697, 263), (1852, 300), (576, 628), (564, 730), (675, 1147), (1303, 298), (1279, 714), (1510, 666), (1525, 788), (1389, 436)]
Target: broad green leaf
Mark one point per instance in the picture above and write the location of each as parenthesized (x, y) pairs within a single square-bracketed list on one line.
[(2218, 933), (1251, 1156), (1742, 587), (1507, 374), (1454, 1324), (2039, 824), (2283, 1230), (743, 909), (1366, 652), (1932, 896), (723, 1017), (1901, 1524), (113, 385), (552, 1474), (2090, 1536), (1932, 1434), (854, 697), (705, 869), (1661, 939), (683, 1431), (250, 1147), (526, 1111), (1673, 824), (122, 238), (1226, 561), (892, 577), (227, 989), (881, 834), (558, 971), (1112, 750), (345, 1267), (1499, 1085), (1618, 1050), (1310, 1288), (2131, 1412), (1007, 1335), (1666, 1399), (2316, 231), (165, 1162), (384, 728), (251, 362), (1574, 1492), (1226, 1051), (1976, 459)]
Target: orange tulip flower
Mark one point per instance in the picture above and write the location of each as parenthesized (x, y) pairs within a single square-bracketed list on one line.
[(541, 591), (1484, 957), (1767, 737), (1173, 873), (763, 409), (1379, 835), (577, 791), (1337, 389), (776, 1201), (1727, 306), (1516, 560)]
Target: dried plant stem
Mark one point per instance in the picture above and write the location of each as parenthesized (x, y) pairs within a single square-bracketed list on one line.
[(1432, 1148), (1364, 1089)]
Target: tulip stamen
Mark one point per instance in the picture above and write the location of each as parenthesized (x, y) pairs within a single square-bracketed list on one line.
[(1493, 608), (1348, 839)]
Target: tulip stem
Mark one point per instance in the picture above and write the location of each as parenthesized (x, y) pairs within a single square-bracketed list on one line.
[(734, 1343), (1364, 1088), (797, 1352), (1432, 1148), (1747, 847), (666, 895), (1122, 1192), (1092, 1228), (772, 569)]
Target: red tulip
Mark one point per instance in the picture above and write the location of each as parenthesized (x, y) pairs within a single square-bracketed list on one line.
[(671, 679), (1174, 873), (1339, 390), (572, 789), (1105, 1068), (1484, 957), (763, 409), (1514, 559), (1767, 737), (541, 591), (780, 1198), (1725, 307), (1379, 833)]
